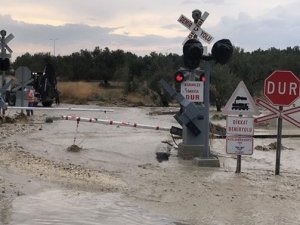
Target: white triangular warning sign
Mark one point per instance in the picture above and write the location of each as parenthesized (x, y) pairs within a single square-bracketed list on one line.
[(240, 102)]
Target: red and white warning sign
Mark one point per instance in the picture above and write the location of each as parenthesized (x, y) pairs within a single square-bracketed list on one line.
[(236, 125), (195, 28), (276, 113), (240, 102), (239, 145), (193, 90), (282, 88)]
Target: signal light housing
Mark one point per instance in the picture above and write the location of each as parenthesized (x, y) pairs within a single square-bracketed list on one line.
[(222, 51), (192, 53), (4, 64)]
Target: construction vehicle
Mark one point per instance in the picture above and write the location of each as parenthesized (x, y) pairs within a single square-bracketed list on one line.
[(44, 84)]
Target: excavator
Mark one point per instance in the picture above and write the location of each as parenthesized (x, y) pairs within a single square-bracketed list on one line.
[(44, 84)]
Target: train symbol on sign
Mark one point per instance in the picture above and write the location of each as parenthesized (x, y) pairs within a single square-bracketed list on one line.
[(239, 103)]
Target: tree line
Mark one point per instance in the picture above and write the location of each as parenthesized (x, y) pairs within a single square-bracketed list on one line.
[(142, 73)]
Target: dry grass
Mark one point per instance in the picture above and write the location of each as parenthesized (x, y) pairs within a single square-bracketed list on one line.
[(76, 92), (83, 92)]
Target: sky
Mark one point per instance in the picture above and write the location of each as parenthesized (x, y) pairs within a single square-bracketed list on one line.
[(62, 27)]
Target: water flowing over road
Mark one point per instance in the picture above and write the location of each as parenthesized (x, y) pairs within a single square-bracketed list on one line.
[(116, 179)]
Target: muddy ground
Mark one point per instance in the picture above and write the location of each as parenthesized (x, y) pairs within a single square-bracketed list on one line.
[(35, 157)]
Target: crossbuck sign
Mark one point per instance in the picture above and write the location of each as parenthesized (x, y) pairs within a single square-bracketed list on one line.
[(3, 44), (6, 40), (195, 28), (277, 113)]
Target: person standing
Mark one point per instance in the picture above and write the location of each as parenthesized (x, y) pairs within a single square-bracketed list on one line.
[(30, 98)]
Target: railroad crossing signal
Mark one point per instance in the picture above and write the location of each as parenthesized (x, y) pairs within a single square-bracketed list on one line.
[(221, 51), (194, 118), (4, 61), (195, 28)]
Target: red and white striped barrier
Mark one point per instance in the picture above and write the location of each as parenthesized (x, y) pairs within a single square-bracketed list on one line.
[(110, 122), (66, 109)]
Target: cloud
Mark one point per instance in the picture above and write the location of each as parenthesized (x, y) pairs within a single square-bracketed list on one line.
[(172, 26), (203, 1), (278, 28), (142, 27), (70, 38)]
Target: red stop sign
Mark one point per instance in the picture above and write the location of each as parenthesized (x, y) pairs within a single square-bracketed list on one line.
[(282, 88)]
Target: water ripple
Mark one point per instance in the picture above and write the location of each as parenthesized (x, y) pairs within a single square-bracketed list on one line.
[(69, 207)]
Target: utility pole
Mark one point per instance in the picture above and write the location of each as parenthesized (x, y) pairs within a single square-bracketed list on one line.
[(3, 54), (54, 40)]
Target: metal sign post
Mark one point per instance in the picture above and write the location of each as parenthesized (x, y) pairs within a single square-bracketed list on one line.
[(238, 164), (280, 114), (207, 69), (3, 53), (239, 137), (282, 88), (23, 75), (239, 128), (278, 147)]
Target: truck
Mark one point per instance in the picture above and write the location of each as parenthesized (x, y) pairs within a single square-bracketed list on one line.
[(44, 84)]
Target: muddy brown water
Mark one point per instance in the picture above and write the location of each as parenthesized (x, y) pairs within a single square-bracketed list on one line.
[(60, 206), (129, 151), (74, 207)]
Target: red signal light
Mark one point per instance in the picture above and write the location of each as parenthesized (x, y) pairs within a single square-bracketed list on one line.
[(202, 78), (179, 77)]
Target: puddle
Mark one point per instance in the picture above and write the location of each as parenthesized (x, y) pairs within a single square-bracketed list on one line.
[(72, 207)]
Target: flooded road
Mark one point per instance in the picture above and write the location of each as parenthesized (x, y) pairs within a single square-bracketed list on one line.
[(110, 146), (116, 179), (76, 207)]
